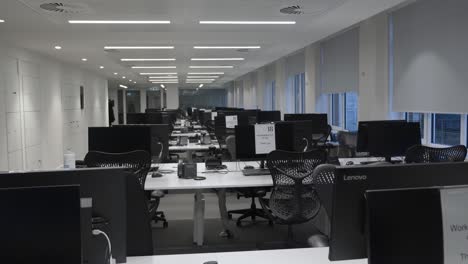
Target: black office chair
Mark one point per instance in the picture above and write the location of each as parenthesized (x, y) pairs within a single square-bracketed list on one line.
[(140, 163), (293, 199), (423, 154)]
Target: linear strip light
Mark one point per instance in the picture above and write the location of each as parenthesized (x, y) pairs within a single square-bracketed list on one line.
[(226, 47), (211, 67), (205, 73), (119, 21), (217, 59), (154, 67), (207, 76), (248, 22), (137, 47), (158, 73), (143, 59), (123, 86)]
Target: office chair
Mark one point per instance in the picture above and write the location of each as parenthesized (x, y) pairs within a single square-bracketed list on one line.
[(251, 193), (293, 199), (423, 154), (319, 140), (140, 163)]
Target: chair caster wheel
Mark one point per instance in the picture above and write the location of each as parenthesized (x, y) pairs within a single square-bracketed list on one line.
[(165, 224)]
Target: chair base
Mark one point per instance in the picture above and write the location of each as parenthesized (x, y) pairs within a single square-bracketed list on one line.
[(253, 213), (160, 217)]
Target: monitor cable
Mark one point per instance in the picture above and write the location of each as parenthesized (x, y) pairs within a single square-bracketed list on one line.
[(97, 232)]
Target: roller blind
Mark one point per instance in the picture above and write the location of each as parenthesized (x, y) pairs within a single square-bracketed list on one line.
[(430, 57), (295, 64), (340, 63)]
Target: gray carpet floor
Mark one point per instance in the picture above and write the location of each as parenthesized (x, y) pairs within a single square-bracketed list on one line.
[(177, 238)]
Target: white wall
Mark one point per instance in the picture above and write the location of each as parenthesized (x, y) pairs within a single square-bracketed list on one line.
[(40, 113), (172, 96)]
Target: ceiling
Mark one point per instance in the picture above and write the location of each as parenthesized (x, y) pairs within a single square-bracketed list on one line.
[(30, 27)]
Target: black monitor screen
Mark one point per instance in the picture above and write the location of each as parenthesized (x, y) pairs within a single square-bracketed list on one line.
[(390, 139), (320, 120), (268, 116), (119, 139), (40, 225), (348, 225), (363, 133), (136, 118), (245, 143)]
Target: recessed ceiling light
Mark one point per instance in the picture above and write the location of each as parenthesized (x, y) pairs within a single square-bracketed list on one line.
[(134, 82), (119, 21), (201, 85), (226, 47), (138, 47), (158, 73), (123, 86), (84, 59), (211, 67), (248, 22), (129, 80), (123, 77), (57, 47), (2, 21), (207, 76), (115, 73), (162, 86), (129, 59), (217, 59), (101, 67), (205, 73), (154, 67)]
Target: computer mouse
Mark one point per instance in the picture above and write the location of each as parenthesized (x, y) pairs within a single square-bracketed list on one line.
[(349, 163), (156, 175), (248, 167)]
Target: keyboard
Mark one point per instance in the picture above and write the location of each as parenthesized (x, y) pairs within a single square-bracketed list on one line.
[(256, 172)]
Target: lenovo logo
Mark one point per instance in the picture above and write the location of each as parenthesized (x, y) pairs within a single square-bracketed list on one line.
[(355, 177)]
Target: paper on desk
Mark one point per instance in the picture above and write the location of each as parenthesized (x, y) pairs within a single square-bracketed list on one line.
[(265, 140), (213, 115), (231, 121)]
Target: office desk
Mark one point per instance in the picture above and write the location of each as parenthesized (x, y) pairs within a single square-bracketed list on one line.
[(189, 134), (179, 127), (280, 256), (231, 178), (190, 148)]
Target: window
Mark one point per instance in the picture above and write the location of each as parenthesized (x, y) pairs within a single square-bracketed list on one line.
[(270, 96), (299, 93), (351, 111), (417, 117), (446, 129), (133, 101), (336, 106)]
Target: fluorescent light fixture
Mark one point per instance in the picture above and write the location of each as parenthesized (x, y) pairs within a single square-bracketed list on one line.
[(154, 67), (57, 47), (123, 77), (129, 80), (119, 21), (101, 67), (217, 59), (115, 73), (158, 73), (248, 22), (84, 59), (199, 77), (138, 47), (204, 80), (165, 82), (162, 77), (226, 47), (129, 59), (201, 85), (134, 82), (199, 81), (123, 86), (2, 21), (162, 86), (211, 67), (205, 73)]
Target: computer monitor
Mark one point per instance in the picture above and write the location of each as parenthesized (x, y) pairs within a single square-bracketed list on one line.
[(152, 110), (159, 138), (119, 139), (363, 133), (41, 224), (109, 190), (268, 116), (136, 118), (390, 139), (245, 143), (320, 120), (348, 225), (154, 118)]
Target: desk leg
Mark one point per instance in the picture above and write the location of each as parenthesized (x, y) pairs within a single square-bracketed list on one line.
[(198, 218), (221, 193)]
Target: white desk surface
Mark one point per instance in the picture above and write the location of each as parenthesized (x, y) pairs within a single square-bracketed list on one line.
[(280, 256), (194, 147), (232, 179)]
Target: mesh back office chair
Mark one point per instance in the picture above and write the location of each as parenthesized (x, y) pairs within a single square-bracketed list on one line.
[(423, 154), (252, 193), (140, 163), (293, 199)]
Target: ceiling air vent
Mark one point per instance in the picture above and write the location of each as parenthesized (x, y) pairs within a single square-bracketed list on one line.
[(65, 8), (292, 10)]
